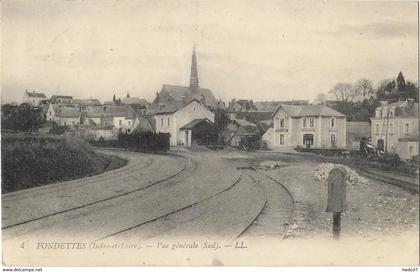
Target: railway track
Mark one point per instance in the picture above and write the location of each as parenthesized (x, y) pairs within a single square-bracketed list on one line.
[(172, 212), (274, 212), (144, 187), (405, 184)]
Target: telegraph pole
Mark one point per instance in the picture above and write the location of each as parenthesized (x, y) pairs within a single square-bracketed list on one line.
[(386, 131)]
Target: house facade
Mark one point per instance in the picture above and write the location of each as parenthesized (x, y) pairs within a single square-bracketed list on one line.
[(316, 126), (395, 128), (121, 118), (68, 116), (173, 118), (33, 98)]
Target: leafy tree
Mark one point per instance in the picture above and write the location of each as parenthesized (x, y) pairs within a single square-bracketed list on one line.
[(221, 119), (21, 118)]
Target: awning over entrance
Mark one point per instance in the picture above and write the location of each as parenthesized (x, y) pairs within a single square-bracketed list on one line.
[(202, 131)]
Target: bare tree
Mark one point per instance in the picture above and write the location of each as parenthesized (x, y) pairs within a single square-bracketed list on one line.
[(320, 99), (364, 88), (343, 92)]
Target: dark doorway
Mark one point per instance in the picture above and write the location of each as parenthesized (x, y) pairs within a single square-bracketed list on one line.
[(308, 139), (381, 144), (203, 132)]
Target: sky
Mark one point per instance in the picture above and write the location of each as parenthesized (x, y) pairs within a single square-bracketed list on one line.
[(246, 49)]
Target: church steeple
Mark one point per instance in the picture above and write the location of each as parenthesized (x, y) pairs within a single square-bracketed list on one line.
[(194, 72)]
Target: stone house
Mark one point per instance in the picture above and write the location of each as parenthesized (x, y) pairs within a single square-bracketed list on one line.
[(33, 98), (395, 128), (176, 115), (316, 126)]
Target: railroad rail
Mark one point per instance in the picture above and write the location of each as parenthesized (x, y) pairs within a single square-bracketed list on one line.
[(292, 209), (405, 184), (144, 187)]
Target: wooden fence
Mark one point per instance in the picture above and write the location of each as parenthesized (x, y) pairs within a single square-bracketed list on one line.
[(147, 142)]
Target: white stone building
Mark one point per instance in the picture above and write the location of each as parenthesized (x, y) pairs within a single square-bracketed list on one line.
[(395, 128), (175, 116), (316, 126)]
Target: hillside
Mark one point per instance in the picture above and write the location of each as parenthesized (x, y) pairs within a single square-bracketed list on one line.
[(29, 161)]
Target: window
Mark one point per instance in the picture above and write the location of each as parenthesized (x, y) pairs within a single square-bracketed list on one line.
[(377, 128), (281, 139), (333, 140), (332, 122), (128, 130), (282, 122), (50, 113), (168, 121), (65, 123), (161, 122), (120, 122), (72, 123), (391, 128), (194, 108), (311, 122), (391, 113), (407, 128), (304, 122)]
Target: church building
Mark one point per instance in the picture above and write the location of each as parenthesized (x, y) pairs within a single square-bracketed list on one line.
[(172, 95)]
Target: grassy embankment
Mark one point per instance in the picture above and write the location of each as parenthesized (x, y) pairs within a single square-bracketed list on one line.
[(29, 161)]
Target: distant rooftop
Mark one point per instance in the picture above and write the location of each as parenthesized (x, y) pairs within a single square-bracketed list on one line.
[(35, 94)]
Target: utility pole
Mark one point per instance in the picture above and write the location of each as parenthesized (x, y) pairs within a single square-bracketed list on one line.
[(386, 131)]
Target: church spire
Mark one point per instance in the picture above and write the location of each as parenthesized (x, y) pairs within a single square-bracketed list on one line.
[(194, 72)]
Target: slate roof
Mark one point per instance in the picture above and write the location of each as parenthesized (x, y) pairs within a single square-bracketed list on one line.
[(34, 94), (144, 124), (179, 93), (107, 111), (309, 110), (177, 105), (271, 106), (87, 102), (254, 116), (244, 123), (195, 122), (68, 112), (134, 100)]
